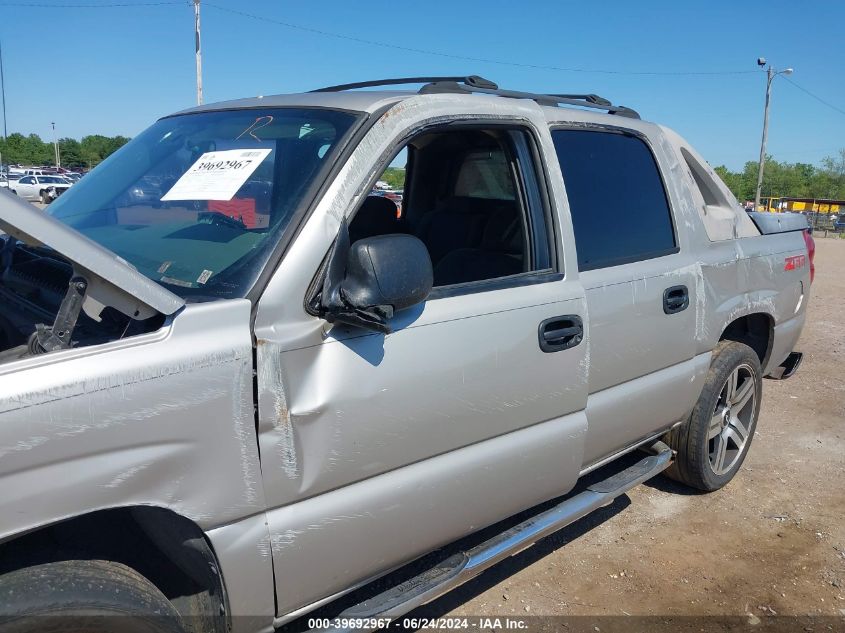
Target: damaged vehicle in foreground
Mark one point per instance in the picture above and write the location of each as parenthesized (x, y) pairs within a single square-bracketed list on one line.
[(240, 402)]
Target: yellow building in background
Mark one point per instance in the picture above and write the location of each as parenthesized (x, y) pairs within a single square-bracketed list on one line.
[(801, 205)]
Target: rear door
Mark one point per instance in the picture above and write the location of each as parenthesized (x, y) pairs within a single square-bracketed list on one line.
[(640, 286), (376, 449)]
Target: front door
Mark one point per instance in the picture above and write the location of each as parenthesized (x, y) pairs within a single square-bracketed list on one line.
[(376, 449)]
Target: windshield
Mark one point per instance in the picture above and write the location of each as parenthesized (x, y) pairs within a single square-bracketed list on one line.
[(198, 201), (52, 180)]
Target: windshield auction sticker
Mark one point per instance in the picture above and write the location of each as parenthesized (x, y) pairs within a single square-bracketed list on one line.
[(217, 175)]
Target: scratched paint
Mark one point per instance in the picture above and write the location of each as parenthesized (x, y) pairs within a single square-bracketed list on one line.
[(243, 426), (107, 381), (273, 411)]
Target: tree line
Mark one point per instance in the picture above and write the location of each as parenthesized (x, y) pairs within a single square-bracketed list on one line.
[(780, 179), (18, 149), (395, 177), (789, 180)]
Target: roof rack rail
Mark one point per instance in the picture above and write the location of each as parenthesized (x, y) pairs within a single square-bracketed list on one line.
[(474, 84), (592, 101), (473, 81)]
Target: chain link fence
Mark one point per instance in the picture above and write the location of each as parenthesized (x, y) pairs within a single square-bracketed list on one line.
[(826, 224)]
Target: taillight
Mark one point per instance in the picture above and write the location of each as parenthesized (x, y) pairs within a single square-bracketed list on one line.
[(811, 252)]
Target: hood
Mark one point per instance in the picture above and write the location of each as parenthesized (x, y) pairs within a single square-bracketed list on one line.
[(113, 281)]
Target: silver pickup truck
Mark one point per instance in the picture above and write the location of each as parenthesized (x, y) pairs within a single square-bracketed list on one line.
[(240, 401)]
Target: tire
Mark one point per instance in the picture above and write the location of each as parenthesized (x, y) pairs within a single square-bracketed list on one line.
[(90, 596), (45, 197), (712, 444)]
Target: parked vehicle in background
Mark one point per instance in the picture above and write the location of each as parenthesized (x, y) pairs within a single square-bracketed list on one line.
[(839, 224), (234, 409), (44, 189), (145, 191)]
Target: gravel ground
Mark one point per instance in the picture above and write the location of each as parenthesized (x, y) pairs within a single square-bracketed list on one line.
[(771, 542)]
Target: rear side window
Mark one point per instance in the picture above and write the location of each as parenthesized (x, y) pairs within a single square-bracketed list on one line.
[(619, 208)]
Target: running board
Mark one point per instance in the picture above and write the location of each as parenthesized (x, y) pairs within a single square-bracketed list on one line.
[(464, 566)]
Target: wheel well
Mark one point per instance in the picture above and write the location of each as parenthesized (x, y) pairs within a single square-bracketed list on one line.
[(755, 330), (167, 549)]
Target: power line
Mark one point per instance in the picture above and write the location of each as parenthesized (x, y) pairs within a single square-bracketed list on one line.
[(484, 60), (816, 97), (109, 5), (360, 40)]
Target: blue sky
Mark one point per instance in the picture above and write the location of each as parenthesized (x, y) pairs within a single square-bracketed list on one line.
[(113, 70)]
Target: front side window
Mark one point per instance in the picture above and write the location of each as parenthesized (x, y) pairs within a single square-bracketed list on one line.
[(467, 195), (620, 212), (197, 202)]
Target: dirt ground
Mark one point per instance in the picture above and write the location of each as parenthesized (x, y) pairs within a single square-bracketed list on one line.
[(771, 542)]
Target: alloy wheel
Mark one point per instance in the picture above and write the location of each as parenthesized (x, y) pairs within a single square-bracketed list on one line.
[(730, 425)]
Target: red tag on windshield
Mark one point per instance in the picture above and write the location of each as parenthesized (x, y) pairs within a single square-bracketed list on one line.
[(242, 209)]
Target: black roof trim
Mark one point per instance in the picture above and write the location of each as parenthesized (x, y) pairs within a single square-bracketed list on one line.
[(475, 84), (471, 80), (592, 101)]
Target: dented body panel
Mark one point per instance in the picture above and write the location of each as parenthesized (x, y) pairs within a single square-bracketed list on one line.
[(338, 407), (316, 457), (164, 420)]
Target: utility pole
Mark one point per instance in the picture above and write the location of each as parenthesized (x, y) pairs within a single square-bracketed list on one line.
[(3, 91), (771, 73), (198, 49), (56, 146)]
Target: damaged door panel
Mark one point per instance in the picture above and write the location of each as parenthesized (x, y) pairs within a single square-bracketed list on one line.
[(344, 409)]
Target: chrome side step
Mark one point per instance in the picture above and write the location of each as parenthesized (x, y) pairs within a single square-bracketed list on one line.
[(464, 566)]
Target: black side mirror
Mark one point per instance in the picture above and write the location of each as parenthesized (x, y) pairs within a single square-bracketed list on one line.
[(367, 282)]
